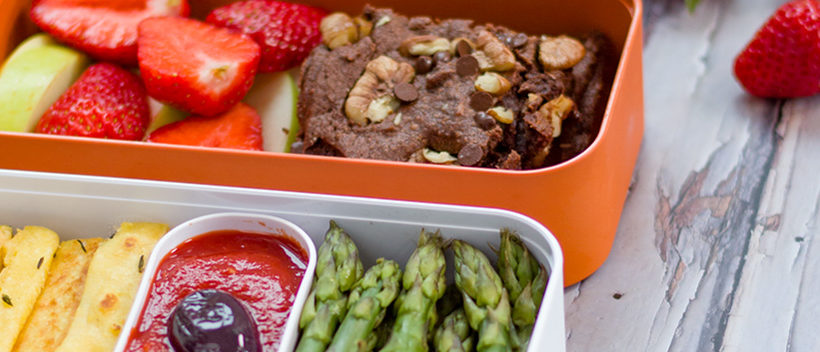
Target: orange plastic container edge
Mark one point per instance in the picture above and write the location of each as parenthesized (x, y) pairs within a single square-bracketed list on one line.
[(580, 201)]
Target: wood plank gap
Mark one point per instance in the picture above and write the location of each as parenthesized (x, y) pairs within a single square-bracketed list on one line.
[(752, 223)]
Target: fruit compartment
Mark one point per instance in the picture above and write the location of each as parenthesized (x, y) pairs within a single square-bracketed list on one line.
[(77, 206), (562, 197)]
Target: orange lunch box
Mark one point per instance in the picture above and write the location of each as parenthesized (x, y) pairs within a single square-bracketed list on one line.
[(580, 200)]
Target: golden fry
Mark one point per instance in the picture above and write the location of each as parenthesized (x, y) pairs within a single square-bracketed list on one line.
[(5, 235), (113, 278), (27, 259), (49, 321)]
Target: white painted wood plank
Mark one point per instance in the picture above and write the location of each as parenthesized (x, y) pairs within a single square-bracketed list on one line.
[(677, 260), (777, 303)]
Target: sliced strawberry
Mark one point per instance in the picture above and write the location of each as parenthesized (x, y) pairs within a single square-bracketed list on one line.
[(286, 32), (105, 29), (105, 102), (783, 58), (239, 128), (195, 66)]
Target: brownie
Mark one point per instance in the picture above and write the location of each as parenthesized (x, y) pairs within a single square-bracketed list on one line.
[(388, 87)]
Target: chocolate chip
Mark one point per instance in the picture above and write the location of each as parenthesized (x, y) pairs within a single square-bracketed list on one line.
[(467, 66), (484, 120), (481, 101), (470, 154), (423, 64), (442, 56), (406, 92), (463, 48), (518, 40)]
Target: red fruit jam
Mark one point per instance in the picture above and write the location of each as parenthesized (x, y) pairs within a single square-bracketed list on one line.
[(261, 271)]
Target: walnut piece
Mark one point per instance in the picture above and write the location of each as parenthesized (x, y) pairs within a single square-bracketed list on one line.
[(435, 157), (365, 102), (492, 54), (541, 156), (424, 45), (557, 110), (502, 114), (363, 26), (383, 21), (381, 107), (492, 83), (560, 53), (534, 101), (338, 30), (550, 116)]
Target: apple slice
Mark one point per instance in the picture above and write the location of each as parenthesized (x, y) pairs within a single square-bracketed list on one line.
[(32, 80), (162, 114), (274, 96), (34, 41)]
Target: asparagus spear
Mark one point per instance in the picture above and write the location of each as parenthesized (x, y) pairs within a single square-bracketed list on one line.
[(486, 302), (454, 333), (367, 306), (337, 270), (423, 284), (525, 280)]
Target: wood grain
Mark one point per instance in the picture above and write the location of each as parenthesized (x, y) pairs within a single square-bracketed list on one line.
[(715, 247)]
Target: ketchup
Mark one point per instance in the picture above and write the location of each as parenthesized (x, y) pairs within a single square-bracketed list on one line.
[(263, 272)]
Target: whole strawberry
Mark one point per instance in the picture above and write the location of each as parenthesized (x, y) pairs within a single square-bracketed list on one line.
[(783, 59), (285, 32), (105, 102)]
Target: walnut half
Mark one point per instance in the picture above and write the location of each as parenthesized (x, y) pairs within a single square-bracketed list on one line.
[(371, 98), (338, 29)]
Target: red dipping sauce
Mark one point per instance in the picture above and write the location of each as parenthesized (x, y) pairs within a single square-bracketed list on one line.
[(262, 271)]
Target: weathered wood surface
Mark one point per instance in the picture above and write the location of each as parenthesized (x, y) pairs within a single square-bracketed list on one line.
[(717, 248)]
